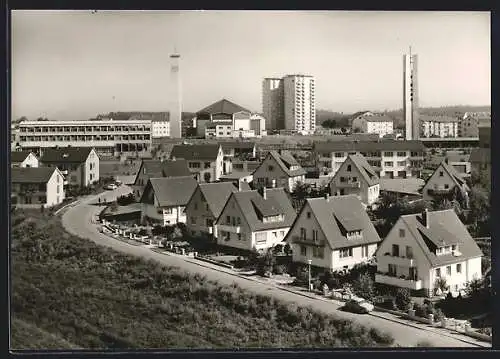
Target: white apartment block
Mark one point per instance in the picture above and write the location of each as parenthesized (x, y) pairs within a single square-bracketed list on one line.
[(108, 137), (439, 126), (373, 123), (299, 103), (272, 103), (389, 158), (160, 129)]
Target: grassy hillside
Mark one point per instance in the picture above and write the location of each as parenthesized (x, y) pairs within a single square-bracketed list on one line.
[(26, 335), (95, 298)]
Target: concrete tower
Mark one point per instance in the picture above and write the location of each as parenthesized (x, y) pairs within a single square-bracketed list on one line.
[(175, 107), (299, 103), (272, 103), (410, 97)]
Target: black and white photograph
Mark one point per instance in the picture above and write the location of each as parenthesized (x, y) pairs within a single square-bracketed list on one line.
[(249, 179)]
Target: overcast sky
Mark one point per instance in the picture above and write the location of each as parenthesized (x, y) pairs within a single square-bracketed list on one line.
[(75, 64)]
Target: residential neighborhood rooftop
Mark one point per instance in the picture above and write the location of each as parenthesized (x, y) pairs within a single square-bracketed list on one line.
[(216, 195), (223, 106), (66, 154), (365, 169), (19, 156), (367, 146), (31, 174), (171, 191), (195, 152), (286, 161)]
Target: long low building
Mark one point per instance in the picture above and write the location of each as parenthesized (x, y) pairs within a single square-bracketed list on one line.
[(108, 137)]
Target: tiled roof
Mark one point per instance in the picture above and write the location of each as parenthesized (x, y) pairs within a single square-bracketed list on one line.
[(365, 168), (169, 168), (18, 156), (31, 174), (223, 106), (238, 144), (65, 155), (339, 214), (402, 185), (367, 146), (195, 152), (216, 195), (445, 228), (285, 160), (452, 172), (253, 206), (379, 118), (480, 155), (171, 191)]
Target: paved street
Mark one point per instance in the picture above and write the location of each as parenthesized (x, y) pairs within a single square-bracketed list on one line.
[(77, 220)]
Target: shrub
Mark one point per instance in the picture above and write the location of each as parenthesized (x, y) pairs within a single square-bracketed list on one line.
[(364, 286), (403, 298), (280, 269), (438, 315), (420, 310)]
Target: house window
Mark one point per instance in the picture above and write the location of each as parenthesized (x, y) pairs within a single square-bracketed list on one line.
[(238, 221), (446, 186), (42, 199), (315, 235), (392, 269), (448, 270), (401, 154), (228, 219), (196, 206), (355, 179), (57, 189), (167, 211), (209, 222), (395, 250), (303, 251), (193, 220), (339, 154), (459, 268), (349, 168), (282, 234), (409, 252), (207, 164), (388, 164), (342, 179), (239, 236), (454, 247), (388, 154), (308, 215), (441, 173), (275, 235), (302, 233), (345, 252), (270, 168), (364, 251), (401, 233), (438, 273), (207, 207)]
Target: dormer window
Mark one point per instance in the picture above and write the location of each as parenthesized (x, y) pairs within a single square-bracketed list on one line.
[(270, 219), (354, 234)]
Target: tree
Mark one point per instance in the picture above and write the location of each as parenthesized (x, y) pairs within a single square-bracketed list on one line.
[(403, 298), (364, 286), (480, 208), (265, 264)]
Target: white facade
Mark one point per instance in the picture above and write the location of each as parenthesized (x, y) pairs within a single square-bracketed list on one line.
[(55, 189), (169, 215), (30, 161), (410, 97), (440, 127), (299, 103), (373, 123), (108, 137), (160, 129), (272, 103), (175, 97)]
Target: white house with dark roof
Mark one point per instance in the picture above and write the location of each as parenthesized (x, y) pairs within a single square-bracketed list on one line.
[(356, 177), (370, 122), (164, 199), (23, 159), (335, 233), (204, 160), (79, 165), (36, 186), (255, 220), (278, 170), (445, 182), (157, 169), (421, 248), (205, 206)]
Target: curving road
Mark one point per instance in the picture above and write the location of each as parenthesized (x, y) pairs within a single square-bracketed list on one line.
[(78, 221)]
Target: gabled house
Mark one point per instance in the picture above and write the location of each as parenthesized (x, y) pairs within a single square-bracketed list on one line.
[(36, 186), (255, 220), (421, 248), (460, 162), (79, 165), (356, 176), (447, 183), (279, 170), (335, 233), (23, 159), (157, 169), (164, 199), (205, 206), (205, 161)]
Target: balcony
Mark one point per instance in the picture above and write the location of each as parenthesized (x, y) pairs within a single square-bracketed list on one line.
[(398, 282), (228, 228), (308, 241), (401, 261), (439, 191), (349, 184)]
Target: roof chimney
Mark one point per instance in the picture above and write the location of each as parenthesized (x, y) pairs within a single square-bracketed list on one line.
[(264, 193), (425, 218)]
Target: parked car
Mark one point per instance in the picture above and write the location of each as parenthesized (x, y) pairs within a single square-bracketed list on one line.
[(358, 305), (111, 186), (118, 183)]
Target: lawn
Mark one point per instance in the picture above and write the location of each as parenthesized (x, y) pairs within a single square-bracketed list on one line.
[(95, 297)]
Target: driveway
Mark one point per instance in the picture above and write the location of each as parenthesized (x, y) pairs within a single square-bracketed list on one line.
[(78, 221)]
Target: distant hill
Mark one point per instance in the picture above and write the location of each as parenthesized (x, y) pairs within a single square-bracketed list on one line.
[(28, 336)]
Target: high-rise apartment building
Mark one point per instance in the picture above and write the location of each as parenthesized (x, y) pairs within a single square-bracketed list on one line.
[(289, 103), (410, 97), (272, 103), (176, 97)]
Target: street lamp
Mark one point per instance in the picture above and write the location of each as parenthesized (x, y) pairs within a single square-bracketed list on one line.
[(309, 272)]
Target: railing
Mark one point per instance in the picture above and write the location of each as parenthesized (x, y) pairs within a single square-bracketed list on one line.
[(398, 282), (402, 261), (308, 241), (228, 228)]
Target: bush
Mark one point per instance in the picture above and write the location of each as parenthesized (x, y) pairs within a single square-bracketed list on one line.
[(280, 269), (364, 286), (438, 315), (403, 299), (420, 310)]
